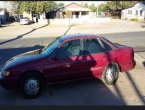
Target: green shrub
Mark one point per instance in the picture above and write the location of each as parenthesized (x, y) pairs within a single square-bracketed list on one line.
[(134, 19)]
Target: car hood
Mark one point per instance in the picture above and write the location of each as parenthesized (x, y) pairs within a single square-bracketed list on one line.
[(23, 58)]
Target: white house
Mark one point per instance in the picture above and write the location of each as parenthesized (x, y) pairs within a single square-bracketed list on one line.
[(137, 12), (76, 11)]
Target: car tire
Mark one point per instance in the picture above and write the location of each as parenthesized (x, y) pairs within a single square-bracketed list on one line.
[(111, 74), (31, 85)]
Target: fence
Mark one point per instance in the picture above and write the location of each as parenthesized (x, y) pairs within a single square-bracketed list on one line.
[(71, 21)]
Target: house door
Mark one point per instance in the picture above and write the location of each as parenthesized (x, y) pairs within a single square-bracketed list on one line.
[(77, 14)]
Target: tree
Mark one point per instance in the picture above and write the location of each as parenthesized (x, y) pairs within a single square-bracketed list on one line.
[(115, 7), (86, 5), (68, 13), (103, 7), (120, 5), (92, 7), (14, 7), (60, 4), (36, 6), (82, 4)]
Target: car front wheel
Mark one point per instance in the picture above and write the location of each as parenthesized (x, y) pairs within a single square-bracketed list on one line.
[(31, 85), (111, 74)]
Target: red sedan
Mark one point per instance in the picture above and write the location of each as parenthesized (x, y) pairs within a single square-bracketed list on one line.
[(67, 58)]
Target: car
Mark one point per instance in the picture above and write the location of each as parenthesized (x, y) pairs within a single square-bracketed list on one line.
[(67, 58), (25, 20), (0, 23)]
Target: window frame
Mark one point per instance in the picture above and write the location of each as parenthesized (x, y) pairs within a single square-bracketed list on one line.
[(100, 42), (53, 53), (141, 12), (136, 12), (129, 12)]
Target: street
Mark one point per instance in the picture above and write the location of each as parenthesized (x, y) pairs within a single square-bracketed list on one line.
[(86, 92)]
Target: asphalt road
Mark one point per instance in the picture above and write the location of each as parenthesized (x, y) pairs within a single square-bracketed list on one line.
[(87, 92)]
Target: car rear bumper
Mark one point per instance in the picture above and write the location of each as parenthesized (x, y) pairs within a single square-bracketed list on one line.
[(24, 22), (128, 66), (8, 83)]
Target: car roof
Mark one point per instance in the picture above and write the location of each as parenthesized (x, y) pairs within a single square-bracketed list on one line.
[(65, 37)]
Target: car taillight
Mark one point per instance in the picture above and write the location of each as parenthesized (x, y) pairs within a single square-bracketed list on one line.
[(132, 53)]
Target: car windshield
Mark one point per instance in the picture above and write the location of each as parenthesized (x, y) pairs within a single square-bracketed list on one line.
[(51, 46)]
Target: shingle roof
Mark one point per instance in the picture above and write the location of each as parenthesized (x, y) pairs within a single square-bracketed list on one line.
[(74, 7)]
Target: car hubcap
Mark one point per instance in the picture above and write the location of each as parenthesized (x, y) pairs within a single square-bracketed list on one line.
[(111, 74), (32, 86)]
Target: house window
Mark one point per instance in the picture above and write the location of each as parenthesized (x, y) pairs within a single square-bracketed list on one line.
[(136, 12), (129, 12), (140, 12), (83, 13)]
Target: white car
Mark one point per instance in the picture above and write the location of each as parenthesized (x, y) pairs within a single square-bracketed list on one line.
[(25, 20)]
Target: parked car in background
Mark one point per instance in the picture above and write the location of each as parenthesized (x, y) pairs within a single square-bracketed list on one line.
[(25, 20), (67, 58), (17, 17), (0, 23)]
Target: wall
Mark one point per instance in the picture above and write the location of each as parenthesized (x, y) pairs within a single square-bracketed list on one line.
[(66, 21), (25, 14), (125, 15)]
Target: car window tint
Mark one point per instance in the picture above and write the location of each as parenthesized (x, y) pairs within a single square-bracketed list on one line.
[(106, 47), (68, 49), (92, 46)]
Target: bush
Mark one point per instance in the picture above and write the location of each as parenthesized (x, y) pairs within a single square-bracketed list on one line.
[(134, 19), (115, 17)]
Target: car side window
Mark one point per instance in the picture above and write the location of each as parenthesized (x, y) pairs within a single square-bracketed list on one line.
[(68, 49), (106, 47), (92, 46)]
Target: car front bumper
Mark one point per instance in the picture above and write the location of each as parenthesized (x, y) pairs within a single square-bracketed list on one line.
[(8, 83)]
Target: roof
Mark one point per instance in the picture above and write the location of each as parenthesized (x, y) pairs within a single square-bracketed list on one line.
[(74, 7), (64, 37), (138, 6)]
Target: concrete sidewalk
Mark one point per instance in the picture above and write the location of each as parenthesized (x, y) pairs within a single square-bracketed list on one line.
[(36, 30)]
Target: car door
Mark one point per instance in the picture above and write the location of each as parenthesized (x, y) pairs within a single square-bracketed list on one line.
[(95, 55), (63, 65)]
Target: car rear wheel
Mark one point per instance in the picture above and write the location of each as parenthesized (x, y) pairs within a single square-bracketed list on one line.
[(31, 85), (111, 74)]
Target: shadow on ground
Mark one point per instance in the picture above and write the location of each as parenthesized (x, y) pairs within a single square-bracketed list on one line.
[(22, 35), (135, 87), (68, 29), (83, 92), (144, 63)]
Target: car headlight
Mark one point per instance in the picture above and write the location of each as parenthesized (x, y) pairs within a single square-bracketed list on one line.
[(5, 73)]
